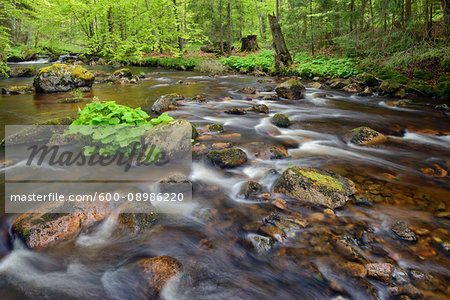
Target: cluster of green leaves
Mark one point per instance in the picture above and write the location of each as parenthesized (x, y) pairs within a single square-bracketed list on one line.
[(325, 66), (119, 139), (177, 63), (4, 70), (263, 61)]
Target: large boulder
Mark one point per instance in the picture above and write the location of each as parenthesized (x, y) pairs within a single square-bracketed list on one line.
[(366, 79), (390, 86), (62, 78), (22, 72), (317, 186), (227, 158), (172, 138), (137, 222), (166, 103), (365, 136), (291, 89), (119, 74), (154, 273), (281, 120)]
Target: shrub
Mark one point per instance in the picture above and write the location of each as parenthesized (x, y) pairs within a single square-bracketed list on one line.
[(262, 61), (326, 66), (4, 70)]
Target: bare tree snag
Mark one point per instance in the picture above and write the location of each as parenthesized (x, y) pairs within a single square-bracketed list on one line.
[(282, 56), (249, 43)]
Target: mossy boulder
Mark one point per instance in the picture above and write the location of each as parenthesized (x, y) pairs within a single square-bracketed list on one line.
[(22, 72), (62, 78), (390, 86), (366, 79), (166, 103), (424, 75), (17, 89), (291, 89), (259, 108), (251, 188), (317, 186), (386, 74), (227, 158), (443, 87), (422, 88), (281, 120), (365, 136), (352, 88), (119, 74)]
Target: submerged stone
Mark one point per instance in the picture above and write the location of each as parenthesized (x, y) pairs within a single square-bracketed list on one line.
[(365, 136), (281, 120), (291, 89), (227, 158)]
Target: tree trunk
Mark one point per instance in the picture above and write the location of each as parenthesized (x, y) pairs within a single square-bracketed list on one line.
[(249, 43), (407, 11), (230, 42), (30, 35), (282, 56), (221, 27), (446, 9), (371, 12), (363, 10), (278, 9), (259, 21), (352, 7), (312, 27)]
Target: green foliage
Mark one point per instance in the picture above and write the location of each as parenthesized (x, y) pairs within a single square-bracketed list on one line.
[(262, 61), (177, 63), (325, 66), (425, 75), (77, 93), (121, 138), (4, 70)]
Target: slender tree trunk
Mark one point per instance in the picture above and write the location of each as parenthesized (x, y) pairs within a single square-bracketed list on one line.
[(371, 13), (221, 27), (259, 21), (278, 9), (363, 11), (312, 26), (212, 17), (446, 9), (30, 35), (352, 8), (230, 42), (407, 11), (282, 56)]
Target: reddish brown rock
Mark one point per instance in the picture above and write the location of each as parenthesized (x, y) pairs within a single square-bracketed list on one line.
[(381, 271)]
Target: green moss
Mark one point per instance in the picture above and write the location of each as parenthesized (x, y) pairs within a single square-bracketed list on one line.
[(83, 74), (216, 127), (26, 234), (48, 217), (389, 74), (364, 132), (444, 90), (425, 75), (61, 69), (423, 87), (322, 180)]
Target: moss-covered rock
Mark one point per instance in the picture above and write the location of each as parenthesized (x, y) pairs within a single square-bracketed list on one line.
[(365, 136), (62, 78), (227, 158), (366, 79), (291, 89), (317, 186), (251, 188), (22, 72), (401, 93), (260, 108), (138, 222), (17, 89), (281, 120), (424, 75), (236, 111), (14, 58), (352, 88), (166, 103), (216, 127), (119, 74), (386, 74), (390, 86)]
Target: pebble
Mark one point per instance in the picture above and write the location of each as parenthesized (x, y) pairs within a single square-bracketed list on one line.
[(381, 271), (402, 230)]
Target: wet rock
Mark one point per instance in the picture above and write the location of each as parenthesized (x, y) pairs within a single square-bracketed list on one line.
[(251, 188), (260, 243), (329, 212), (424, 280), (390, 86), (443, 107), (443, 215), (274, 232), (166, 103), (18, 89), (348, 248), (137, 222), (401, 93), (247, 90), (270, 97), (62, 78), (380, 271), (316, 85), (236, 111), (446, 246), (281, 120), (260, 108), (73, 100), (434, 171), (273, 152), (365, 136), (316, 186), (216, 127), (352, 88), (227, 158), (155, 272), (400, 276), (367, 92), (291, 89), (352, 269), (406, 290), (402, 231), (6, 163), (361, 200), (39, 231), (227, 99), (22, 72), (119, 74), (338, 83), (366, 80)]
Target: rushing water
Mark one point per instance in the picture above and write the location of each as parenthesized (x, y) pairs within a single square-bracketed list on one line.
[(305, 265)]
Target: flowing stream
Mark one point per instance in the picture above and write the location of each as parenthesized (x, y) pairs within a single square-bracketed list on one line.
[(302, 265)]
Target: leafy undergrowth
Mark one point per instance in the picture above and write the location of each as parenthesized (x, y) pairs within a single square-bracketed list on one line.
[(177, 63), (263, 61), (325, 66), (123, 138)]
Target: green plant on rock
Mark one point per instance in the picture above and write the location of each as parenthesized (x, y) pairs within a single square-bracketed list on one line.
[(123, 138)]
